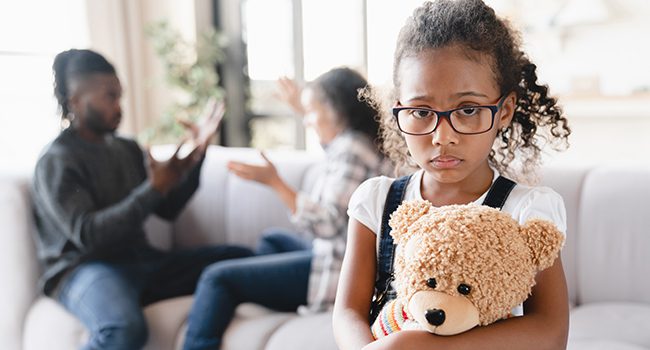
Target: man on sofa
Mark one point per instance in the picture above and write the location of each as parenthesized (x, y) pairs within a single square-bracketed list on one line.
[(92, 191)]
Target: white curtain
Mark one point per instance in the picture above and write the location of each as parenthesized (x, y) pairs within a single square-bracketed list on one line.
[(117, 30)]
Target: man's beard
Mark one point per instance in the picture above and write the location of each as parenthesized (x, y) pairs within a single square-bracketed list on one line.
[(96, 122)]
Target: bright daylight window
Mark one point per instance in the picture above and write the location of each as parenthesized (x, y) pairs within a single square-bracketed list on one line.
[(332, 35), (268, 34), (34, 31)]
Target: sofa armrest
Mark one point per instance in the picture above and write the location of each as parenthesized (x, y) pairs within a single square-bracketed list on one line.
[(18, 264)]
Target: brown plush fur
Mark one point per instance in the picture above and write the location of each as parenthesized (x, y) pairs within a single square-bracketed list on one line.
[(474, 245)]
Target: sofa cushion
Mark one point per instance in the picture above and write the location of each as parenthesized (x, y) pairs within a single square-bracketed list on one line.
[(615, 322), (251, 319), (203, 219), (613, 246), (48, 320), (312, 332), (165, 320), (18, 264)]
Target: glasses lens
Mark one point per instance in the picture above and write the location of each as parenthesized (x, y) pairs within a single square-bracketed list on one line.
[(416, 121), (472, 120)]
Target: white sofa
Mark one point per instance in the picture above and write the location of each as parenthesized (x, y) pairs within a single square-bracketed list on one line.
[(607, 260)]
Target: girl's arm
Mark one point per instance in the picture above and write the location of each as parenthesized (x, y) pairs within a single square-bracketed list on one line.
[(355, 289), (544, 326)]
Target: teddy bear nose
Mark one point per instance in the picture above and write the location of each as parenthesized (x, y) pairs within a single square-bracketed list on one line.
[(435, 317)]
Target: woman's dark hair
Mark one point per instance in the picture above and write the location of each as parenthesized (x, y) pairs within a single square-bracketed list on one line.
[(340, 88), (75, 64), (474, 27)]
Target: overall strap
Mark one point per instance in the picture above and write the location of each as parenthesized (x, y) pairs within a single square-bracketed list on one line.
[(386, 248), (499, 192)]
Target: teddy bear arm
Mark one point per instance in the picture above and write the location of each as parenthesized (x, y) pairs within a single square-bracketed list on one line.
[(544, 241)]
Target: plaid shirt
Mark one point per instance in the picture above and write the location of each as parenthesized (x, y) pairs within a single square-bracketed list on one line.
[(351, 158)]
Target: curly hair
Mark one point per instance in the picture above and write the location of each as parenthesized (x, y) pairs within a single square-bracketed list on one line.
[(75, 64), (474, 26)]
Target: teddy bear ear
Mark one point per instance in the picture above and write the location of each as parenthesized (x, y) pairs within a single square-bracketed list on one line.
[(407, 213), (544, 241)]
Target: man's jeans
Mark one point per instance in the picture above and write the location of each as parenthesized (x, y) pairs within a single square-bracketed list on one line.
[(108, 297)]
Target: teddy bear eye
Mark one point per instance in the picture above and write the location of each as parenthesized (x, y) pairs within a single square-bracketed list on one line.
[(431, 282), (464, 289)]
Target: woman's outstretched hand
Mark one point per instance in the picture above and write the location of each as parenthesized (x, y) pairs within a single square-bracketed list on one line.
[(265, 174), (289, 93)]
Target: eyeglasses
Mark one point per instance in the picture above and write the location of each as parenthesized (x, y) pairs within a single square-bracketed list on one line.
[(466, 120)]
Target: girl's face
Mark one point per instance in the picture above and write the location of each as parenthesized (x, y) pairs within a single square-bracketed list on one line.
[(320, 116), (443, 79)]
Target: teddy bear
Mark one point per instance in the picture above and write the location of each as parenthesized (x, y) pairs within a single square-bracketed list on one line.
[(460, 266)]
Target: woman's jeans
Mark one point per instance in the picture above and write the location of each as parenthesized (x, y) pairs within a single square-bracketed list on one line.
[(276, 240), (108, 297), (277, 280)]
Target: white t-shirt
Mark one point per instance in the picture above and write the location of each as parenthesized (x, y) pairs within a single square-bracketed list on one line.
[(524, 202)]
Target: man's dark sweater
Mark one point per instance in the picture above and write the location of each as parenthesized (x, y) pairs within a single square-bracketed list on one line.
[(91, 200)]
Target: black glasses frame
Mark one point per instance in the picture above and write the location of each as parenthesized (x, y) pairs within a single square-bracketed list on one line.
[(447, 114)]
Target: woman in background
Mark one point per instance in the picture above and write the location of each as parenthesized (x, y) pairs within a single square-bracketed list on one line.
[(302, 267)]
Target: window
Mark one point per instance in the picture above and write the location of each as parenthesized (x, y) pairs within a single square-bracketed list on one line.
[(333, 35), (298, 39), (33, 33), (268, 31)]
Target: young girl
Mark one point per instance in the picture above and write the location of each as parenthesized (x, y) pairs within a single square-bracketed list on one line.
[(461, 82)]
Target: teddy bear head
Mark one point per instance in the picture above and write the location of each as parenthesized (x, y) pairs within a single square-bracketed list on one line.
[(460, 266)]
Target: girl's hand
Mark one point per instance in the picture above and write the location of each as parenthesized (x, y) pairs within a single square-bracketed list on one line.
[(404, 340), (206, 127), (290, 94), (265, 174)]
